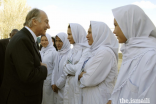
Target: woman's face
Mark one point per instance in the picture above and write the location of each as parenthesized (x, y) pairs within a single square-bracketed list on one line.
[(44, 41), (58, 43), (120, 36), (70, 37), (89, 36)]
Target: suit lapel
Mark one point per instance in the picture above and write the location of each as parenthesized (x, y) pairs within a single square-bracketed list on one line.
[(37, 51), (32, 39)]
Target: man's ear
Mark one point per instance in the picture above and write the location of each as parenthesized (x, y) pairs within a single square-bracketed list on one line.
[(34, 22), (10, 34)]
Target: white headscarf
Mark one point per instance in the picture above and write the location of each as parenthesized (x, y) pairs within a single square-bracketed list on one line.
[(66, 44), (103, 36), (49, 47), (141, 38), (79, 35), (137, 28), (62, 55)]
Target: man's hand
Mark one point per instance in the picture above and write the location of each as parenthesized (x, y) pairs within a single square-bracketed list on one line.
[(42, 64), (81, 75)]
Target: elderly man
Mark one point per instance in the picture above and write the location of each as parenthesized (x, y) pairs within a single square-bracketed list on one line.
[(3, 45), (24, 73)]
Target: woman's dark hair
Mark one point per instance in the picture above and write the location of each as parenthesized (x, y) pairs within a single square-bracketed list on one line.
[(42, 36), (54, 43)]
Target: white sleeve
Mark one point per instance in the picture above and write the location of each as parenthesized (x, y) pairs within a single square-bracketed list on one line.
[(71, 69), (99, 68), (54, 70), (61, 81), (53, 76)]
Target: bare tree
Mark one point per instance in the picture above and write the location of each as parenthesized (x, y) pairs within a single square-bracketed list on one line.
[(12, 15)]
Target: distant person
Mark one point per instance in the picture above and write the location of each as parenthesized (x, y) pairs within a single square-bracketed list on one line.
[(59, 77), (3, 45), (13, 32), (54, 43), (137, 76), (24, 72), (48, 55)]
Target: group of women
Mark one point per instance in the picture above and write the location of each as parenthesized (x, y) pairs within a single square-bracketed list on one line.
[(87, 73)]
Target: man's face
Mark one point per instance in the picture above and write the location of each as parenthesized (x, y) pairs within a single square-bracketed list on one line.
[(43, 25), (58, 43), (44, 41), (70, 37)]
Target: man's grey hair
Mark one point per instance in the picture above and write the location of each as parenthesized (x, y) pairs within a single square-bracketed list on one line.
[(33, 14)]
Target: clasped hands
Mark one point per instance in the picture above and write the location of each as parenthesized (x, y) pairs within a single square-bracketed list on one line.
[(55, 88)]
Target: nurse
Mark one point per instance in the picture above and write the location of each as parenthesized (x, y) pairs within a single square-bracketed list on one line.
[(48, 54), (137, 76), (58, 77), (74, 63), (100, 70)]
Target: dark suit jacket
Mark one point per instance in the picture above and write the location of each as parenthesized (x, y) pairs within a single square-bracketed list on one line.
[(23, 74), (3, 45)]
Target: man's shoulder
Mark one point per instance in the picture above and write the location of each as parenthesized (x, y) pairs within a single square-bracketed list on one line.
[(19, 39), (21, 35)]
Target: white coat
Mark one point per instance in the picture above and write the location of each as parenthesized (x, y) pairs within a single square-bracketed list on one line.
[(75, 60), (48, 56), (101, 69), (58, 77), (137, 76)]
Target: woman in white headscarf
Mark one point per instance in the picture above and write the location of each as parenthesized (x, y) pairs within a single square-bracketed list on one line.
[(58, 77), (75, 60), (137, 76), (48, 53), (100, 70)]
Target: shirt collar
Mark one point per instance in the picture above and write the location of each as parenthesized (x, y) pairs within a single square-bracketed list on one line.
[(32, 33)]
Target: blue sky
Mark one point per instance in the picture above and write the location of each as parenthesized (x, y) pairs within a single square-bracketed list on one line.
[(62, 12)]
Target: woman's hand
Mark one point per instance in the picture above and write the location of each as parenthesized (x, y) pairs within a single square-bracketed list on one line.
[(81, 75), (55, 88), (52, 87), (109, 102)]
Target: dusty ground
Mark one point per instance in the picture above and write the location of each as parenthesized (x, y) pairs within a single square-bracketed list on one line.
[(119, 61)]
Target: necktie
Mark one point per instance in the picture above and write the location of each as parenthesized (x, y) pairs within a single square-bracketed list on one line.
[(37, 45)]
